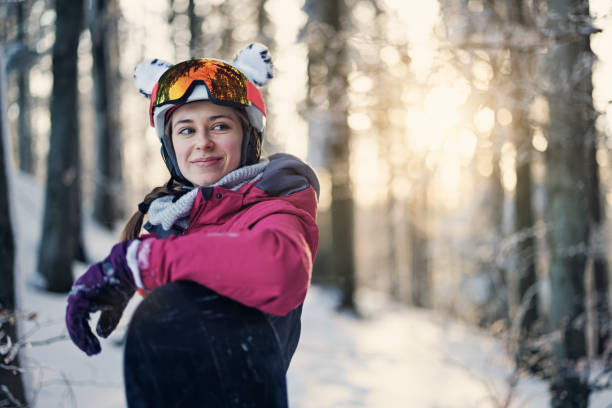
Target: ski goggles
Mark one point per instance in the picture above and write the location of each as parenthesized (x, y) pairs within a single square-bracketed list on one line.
[(225, 84)]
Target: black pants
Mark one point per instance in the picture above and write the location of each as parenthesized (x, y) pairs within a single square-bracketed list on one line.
[(187, 346)]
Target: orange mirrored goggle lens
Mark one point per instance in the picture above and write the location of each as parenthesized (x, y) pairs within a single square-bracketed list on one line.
[(225, 83)]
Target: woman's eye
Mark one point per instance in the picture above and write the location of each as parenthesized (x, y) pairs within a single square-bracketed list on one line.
[(185, 131), (220, 126)]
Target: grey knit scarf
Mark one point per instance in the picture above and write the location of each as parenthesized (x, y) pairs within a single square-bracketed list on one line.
[(166, 213)]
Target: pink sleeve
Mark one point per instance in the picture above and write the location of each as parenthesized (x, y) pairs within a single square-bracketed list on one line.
[(267, 267)]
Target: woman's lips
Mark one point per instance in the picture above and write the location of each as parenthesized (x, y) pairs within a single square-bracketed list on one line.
[(206, 162)]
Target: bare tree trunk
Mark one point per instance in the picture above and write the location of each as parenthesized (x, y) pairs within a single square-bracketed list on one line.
[(528, 353), (105, 50), (170, 20), (61, 220), (571, 118), (523, 225), (265, 29), (388, 93), (26, 158), (265, 35), (600, 263), (391, 255), (420, 288), (227, 33), (474, 37), (524, 220), (327, 52), (9, 378), (342, 205), (195, 28), (497, 300)]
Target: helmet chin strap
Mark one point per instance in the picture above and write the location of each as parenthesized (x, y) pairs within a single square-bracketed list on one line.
[(172, 166), (246, 142), (247, 145)]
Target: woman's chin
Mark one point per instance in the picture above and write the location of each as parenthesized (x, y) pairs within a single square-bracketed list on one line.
[(205, 179)]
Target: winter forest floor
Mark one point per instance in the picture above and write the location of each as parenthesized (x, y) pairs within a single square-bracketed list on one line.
[(393, 357)]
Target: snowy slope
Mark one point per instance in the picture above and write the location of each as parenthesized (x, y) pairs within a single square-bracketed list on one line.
[(397, 357), (394, 357)]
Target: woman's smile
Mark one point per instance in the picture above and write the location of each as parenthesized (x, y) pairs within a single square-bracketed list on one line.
[(206, 161)]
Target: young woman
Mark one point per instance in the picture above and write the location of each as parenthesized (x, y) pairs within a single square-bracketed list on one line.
[(227, 259)]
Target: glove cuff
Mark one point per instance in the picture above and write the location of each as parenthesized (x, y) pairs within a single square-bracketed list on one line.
[(132, 261)]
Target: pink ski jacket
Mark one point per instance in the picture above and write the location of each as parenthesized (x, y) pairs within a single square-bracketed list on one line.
[(255, 245)]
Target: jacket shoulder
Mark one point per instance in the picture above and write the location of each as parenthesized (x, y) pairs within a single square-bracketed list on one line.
[(287, 174)]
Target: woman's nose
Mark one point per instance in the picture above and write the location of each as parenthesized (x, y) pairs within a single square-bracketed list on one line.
[(203, 140)]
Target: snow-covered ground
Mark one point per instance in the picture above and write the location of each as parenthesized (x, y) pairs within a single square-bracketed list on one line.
[(393, 357)]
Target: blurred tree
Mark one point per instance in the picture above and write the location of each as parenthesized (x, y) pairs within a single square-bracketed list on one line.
[(265, 35), (195, 28), (600, 263), (328, 105), (521, 95), (488, 226), (26, 158), (265, 27), (596, 208), (11, 385), (170, 19), (480, 38), (180, 22), (103, 26), (388, 92), (597, 214), (227, 13), (420, 284), (497, 302), (61, 236), (571, 117)]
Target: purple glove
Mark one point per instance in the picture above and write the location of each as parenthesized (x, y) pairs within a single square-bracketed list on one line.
[(106, 286)]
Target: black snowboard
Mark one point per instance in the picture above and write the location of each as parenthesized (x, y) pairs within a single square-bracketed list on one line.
[(187, 346)]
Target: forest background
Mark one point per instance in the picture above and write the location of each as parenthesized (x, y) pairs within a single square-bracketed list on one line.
[(463, 149)]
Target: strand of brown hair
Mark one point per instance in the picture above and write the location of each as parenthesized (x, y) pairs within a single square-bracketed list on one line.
[(134, 225)]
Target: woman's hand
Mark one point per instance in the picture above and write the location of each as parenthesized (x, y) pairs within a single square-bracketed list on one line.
[(106, 286)]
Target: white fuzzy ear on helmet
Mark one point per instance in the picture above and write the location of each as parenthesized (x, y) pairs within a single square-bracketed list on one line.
[(147, 73), (255, 62)]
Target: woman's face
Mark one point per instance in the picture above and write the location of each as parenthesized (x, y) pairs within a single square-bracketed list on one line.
[(207, 140)]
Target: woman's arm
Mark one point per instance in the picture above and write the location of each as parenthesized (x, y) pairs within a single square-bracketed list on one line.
[(267, 267)]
